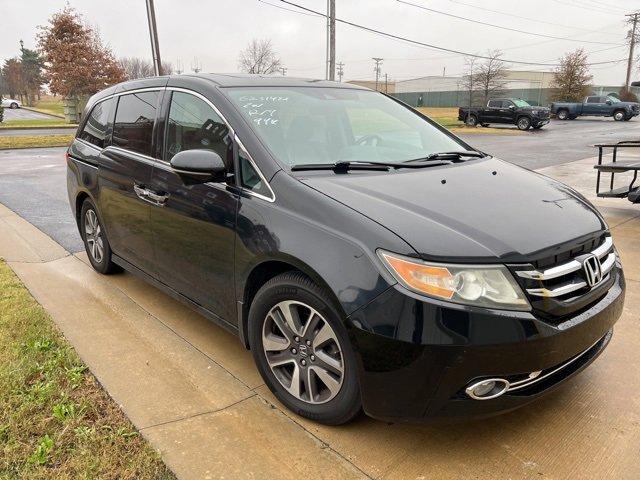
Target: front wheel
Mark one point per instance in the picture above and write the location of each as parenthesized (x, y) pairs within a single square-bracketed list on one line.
[(95, 239), (302, 350), (619, 116), (524, 123), (14, 105)]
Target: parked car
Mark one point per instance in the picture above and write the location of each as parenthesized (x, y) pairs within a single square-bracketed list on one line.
[(11, 103), (596, 106), (513, 111), (323, 223)]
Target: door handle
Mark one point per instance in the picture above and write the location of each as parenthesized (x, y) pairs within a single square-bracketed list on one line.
[(149, 196)]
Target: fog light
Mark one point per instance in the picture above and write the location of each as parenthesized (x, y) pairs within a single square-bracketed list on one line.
[(487, 389)]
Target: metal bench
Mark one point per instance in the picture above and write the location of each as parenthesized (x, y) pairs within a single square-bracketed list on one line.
[(631, 192)]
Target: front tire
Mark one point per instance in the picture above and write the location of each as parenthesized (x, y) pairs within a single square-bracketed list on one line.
[(619, 116), (302, 349), (14, 105), (95, 239), (524, 123)]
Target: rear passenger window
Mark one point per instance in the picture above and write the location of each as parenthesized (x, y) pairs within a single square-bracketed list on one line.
[(193, 124), (95, 128), (133, 126), (495, 103), (593, 99)]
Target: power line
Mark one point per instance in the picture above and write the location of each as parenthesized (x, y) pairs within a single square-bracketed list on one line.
[(587, 7), (422, 7), (513, 15), (434, 47)]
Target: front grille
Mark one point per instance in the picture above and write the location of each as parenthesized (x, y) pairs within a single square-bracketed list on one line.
[(582, 272)]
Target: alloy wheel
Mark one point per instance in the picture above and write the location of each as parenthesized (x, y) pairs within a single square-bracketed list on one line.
[(93, 235), (303, 352)]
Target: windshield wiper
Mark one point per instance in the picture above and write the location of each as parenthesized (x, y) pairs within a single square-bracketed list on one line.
[(450, 155), (342, 167)]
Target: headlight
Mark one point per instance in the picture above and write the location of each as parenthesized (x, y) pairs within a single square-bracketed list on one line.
[(490, 286)]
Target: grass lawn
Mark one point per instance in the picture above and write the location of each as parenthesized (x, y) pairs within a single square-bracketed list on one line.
[(448, 118), (33, 141), (35, 123), (55, 419), (50, 104)]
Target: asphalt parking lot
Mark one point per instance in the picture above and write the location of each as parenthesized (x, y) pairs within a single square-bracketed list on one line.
[(25, 114), (556, 143)]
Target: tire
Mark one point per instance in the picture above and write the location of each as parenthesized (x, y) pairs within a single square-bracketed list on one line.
[(619, 115), (14, 105), (523, 123), (472, 120), (484, 124), (95, 239), (562, 114), (327, 390)]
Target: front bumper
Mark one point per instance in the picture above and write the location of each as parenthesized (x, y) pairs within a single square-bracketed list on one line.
[(416, 357), (538, 122)]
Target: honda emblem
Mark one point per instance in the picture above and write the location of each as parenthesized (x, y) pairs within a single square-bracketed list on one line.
[(592, 270)]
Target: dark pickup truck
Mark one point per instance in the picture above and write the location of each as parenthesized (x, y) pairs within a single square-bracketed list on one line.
[(514, 111), (597, 106)]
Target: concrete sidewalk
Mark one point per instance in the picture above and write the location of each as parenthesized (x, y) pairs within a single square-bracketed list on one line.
[(194, 392)]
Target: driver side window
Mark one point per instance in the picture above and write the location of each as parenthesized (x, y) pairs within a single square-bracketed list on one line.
[(193, 124)]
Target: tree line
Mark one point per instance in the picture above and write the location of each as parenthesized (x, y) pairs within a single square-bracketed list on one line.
[(71, 59)]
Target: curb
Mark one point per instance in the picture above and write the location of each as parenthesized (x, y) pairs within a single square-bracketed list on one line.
[(31, 109)]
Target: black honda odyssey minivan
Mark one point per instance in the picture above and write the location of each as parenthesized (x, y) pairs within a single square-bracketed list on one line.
[(370, 259)]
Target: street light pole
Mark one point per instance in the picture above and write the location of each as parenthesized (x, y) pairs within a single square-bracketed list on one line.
[(332, 40), (153, 34)]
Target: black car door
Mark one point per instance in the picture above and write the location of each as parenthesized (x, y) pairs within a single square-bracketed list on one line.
[(508, 112), (194, 223), (125, 171)]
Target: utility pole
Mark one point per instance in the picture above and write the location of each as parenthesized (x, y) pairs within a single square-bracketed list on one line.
[(340, 71), (283, 70), (632, 44), (179, 67), (376, 69), (332, 40), (153, 34)]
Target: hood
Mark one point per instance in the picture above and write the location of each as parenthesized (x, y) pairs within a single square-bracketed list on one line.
[(532, 107), (478, 210)]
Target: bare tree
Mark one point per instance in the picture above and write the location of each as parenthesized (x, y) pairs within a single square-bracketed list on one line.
[(259, 57), (491, 74), (135, 67), (572, 80), (470, 80)]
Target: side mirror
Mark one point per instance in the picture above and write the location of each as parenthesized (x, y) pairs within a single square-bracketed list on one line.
[(609, 102), (205, 165), (512, 107)]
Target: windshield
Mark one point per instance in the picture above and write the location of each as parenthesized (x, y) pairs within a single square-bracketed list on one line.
[(318, 125), (520, 103)]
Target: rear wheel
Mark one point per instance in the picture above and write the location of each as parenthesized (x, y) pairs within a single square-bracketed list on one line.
[(524, 123), (562, 114), (14, 105), (95, 239), (619, 115), (484, 124), (302, 349), (472, 120)]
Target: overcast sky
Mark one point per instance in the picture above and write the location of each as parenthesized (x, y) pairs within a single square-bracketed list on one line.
[(214, 31)]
